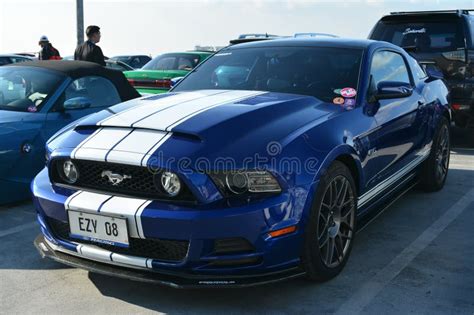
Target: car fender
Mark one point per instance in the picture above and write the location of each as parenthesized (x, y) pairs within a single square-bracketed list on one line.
[(11, 154), (342, 150)]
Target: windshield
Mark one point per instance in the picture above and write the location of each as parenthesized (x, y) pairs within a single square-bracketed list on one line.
[(26, 89), (426, 36), (313, 71), (173, 62)]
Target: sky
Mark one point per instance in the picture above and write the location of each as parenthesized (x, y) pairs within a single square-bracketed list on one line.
[(156, 26)]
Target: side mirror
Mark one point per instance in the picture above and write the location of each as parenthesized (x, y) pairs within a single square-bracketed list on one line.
[(433, 72), (77, 103), (175, 81), (392, 89)]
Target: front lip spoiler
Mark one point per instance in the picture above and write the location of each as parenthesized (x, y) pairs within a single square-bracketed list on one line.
[(180, 281)]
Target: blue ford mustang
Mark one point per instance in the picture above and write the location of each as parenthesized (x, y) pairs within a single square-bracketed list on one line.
[(39, 98), (255, 168)]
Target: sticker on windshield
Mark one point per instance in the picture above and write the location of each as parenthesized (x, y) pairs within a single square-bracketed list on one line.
[(338, 100), (410, 30), (337, 91), (32, 109), (348, 92), (349, 103)]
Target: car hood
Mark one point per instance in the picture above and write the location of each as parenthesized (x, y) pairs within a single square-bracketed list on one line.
[(211, 123)]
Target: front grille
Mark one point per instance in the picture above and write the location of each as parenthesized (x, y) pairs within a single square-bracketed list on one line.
[(165, 250), (140, 184)]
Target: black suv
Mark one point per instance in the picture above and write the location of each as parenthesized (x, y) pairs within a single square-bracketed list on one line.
[(444, 40)]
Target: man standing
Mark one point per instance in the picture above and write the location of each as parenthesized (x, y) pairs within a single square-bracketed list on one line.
[(89, 51), (48, 52)]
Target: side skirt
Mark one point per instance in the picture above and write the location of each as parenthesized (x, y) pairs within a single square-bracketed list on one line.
[(382, 202)]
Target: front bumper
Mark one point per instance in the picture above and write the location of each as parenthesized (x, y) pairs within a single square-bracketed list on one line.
[(162, 277), (270, 259)]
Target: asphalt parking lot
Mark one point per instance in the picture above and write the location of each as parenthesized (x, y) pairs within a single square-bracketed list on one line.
[(416, 257)]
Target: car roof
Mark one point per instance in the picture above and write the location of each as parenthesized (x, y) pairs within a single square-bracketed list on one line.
[(76, 69), (15, 55), (191, 52), (425, 15), (458, 12), (72, 68), (128, 56), (313, 41)]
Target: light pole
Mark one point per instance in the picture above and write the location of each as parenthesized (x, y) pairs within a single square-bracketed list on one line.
[(80, 21)]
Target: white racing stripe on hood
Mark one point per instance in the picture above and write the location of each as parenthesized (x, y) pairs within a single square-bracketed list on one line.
[(170, 117), (127, 117), (136, 147), (116, 142), (100, 143), (129, 208), (121, 145)]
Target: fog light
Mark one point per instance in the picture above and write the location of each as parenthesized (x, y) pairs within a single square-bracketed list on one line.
[(170, 183), (70, 172)]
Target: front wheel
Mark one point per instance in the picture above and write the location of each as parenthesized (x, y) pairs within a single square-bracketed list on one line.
[(435, 168), (331, 227)]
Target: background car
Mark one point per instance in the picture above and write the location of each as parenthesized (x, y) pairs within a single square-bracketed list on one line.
[(253, 37), (441, 38), (134, 61), (155, 77), (249, 175), (36, 100), (9, 59), (117, 65)]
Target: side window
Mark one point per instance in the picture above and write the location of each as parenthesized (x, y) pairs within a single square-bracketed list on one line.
[(18, 59), (389, 66), (135, 62), (185, 63), (166, 63), (4, 61), (471, 30), (143, 61), (100, 91)]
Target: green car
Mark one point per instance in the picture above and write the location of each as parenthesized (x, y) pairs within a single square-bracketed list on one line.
[(155, 77)]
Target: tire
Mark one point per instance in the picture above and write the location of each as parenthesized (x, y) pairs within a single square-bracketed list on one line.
[(435, 169), (329, 221)]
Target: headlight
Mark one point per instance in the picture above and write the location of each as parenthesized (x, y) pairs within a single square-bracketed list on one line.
[(240, 182), (68, 171), (170, 183)]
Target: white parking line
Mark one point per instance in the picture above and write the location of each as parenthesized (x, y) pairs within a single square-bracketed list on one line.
[(362, 297), (18, 228), (461, 166)]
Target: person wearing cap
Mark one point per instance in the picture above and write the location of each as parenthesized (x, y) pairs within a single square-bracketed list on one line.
[(89, 51), (48, 52)]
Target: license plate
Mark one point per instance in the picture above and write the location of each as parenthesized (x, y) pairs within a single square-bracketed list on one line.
[(98, 228)]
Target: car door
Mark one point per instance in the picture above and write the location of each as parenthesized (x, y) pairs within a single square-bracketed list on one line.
[(401, 120), (81, 97)]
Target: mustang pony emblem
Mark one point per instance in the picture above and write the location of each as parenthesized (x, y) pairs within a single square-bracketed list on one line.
[(115, 178)]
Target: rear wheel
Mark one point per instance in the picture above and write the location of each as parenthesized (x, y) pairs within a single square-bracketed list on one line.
[(331, 227), (435, 168)]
